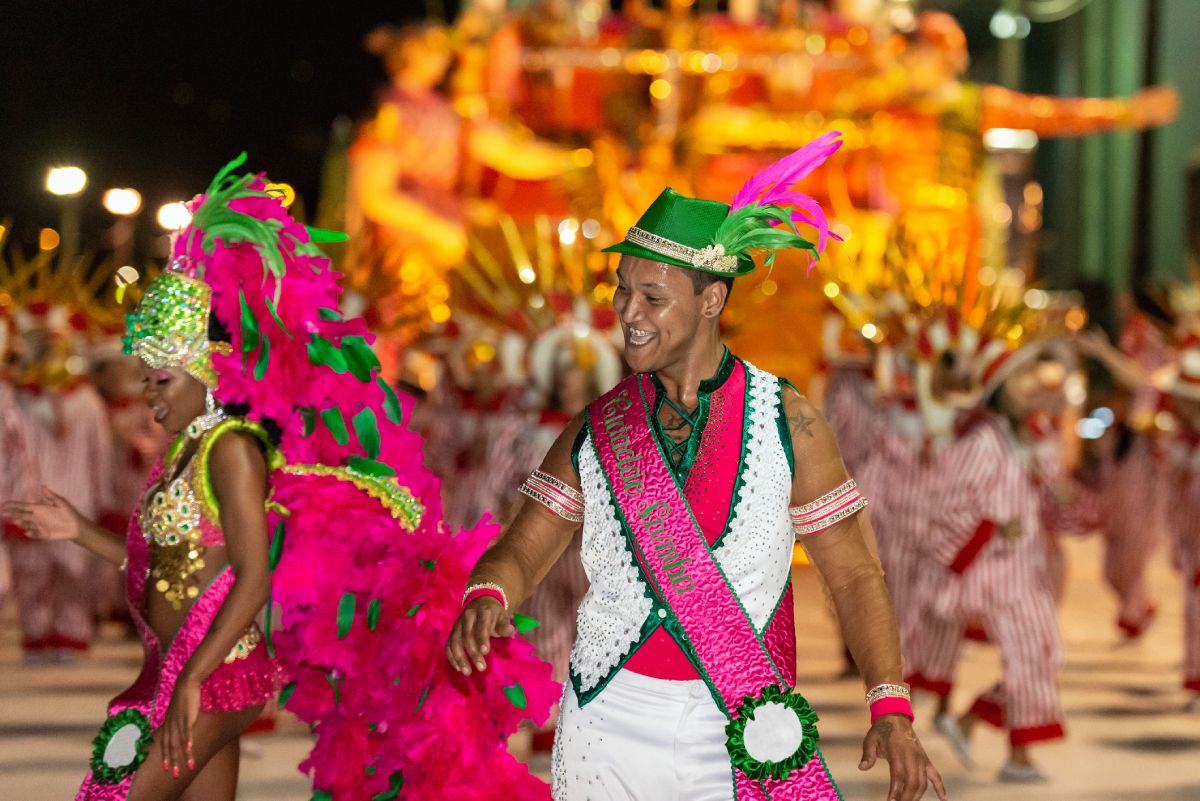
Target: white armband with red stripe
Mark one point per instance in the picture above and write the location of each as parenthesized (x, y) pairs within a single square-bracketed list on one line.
[(556, 495), (830, 508)]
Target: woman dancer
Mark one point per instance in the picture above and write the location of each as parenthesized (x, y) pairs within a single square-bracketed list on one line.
[(282, 424)]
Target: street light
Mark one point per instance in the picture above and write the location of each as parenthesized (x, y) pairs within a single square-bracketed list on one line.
[(123, 202), (173, 216), (65, 181)]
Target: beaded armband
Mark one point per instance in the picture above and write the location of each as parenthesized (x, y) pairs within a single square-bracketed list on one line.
[(889, 699), (555, 494), (830, 508), (484, 589)]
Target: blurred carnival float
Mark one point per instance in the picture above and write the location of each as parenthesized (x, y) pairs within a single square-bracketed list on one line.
[(512, 140)]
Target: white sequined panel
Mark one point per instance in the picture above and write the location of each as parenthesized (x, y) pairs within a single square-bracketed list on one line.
[(615, 607), (756, 553)]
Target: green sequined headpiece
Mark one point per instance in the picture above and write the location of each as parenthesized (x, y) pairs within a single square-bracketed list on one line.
[(169, 328)]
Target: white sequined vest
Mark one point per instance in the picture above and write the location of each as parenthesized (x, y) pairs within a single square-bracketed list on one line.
[(755, 553)]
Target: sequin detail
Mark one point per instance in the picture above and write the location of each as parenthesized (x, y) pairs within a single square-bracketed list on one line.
[(169, 328), (756, 552), (831, 508), (556, 495), (616, 604), (406, 509), (247, 643), (171, 522)]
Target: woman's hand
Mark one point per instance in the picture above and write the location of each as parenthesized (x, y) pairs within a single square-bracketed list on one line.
[(892, 738), (50, 517), (471, 638), (177, 726)]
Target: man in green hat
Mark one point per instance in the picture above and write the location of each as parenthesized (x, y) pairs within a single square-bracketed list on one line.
[(692, 479)]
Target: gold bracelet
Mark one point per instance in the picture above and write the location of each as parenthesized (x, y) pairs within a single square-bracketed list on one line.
[(887, 691), (486, 585)]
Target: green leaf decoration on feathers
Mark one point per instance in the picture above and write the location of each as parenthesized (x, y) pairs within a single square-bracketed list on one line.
[(329, 314), (345, 613), (761, 229), (217, 220), (367, 431), (416, 608), (323, 352), (333, 420), (278, 320), (276, 545), (309, 416), (267, 616), (523, 623), (360, 359), (250, 333), (396, 784), (264, 358), (421, 700), (321, 795), (428, 564), (391, 402), (516, 696), (370, 467), (373, 610), (285, 694), (325, 235)]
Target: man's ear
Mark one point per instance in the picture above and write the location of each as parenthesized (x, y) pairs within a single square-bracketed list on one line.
[(713, 299)]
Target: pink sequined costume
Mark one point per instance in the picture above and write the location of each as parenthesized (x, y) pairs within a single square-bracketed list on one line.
[(248, 678), (366, 579)]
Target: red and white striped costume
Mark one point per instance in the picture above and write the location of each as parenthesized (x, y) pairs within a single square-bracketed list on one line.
[(1182, 480), (898, 479), (1132, 491), (852, 411), (71, 446), (974, 572), (16, 473)]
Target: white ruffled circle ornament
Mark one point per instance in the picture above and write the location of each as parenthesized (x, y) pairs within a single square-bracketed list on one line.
[(773, 734), (121, 746)]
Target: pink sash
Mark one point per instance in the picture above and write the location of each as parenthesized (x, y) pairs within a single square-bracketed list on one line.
[(676, 560), (145, 702)]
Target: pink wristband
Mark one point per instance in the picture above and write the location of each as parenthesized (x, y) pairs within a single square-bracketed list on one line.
[(891, 706), (482, 592)]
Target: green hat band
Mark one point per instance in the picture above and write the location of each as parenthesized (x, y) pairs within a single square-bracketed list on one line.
[(712, 258)]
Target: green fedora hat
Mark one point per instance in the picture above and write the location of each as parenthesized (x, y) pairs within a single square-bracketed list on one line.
[(681, 231), (719, 238)]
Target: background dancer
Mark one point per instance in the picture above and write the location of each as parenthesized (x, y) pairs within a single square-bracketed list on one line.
[(67, 433)]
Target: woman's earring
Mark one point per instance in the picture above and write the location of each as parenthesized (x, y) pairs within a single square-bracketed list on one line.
[(210, 403)]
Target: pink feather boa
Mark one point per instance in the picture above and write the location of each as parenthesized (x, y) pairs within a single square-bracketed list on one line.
[(384, 704)]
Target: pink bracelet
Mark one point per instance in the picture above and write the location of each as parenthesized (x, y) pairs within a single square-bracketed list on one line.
[(892, 705), (484, 592)]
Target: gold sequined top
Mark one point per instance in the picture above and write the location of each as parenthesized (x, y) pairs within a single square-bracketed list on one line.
[(181, 518)]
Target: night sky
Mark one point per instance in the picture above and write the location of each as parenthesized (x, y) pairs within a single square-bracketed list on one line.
[(158, 95)]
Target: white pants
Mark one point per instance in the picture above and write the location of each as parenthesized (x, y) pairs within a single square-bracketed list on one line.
[(642, 739)]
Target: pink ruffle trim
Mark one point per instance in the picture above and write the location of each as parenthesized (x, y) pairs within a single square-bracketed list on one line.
[(242, 683)]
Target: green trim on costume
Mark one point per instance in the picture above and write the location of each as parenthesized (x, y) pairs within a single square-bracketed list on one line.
[(652, 622), (785, 430), (736, 498), (209, 505)]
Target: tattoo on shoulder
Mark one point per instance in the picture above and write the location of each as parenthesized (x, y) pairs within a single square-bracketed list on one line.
[(799, 423)]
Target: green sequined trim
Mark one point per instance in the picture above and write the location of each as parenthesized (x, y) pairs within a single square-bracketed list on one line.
[(785, 431), (203, 482), (652, 622), (396, 499)]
